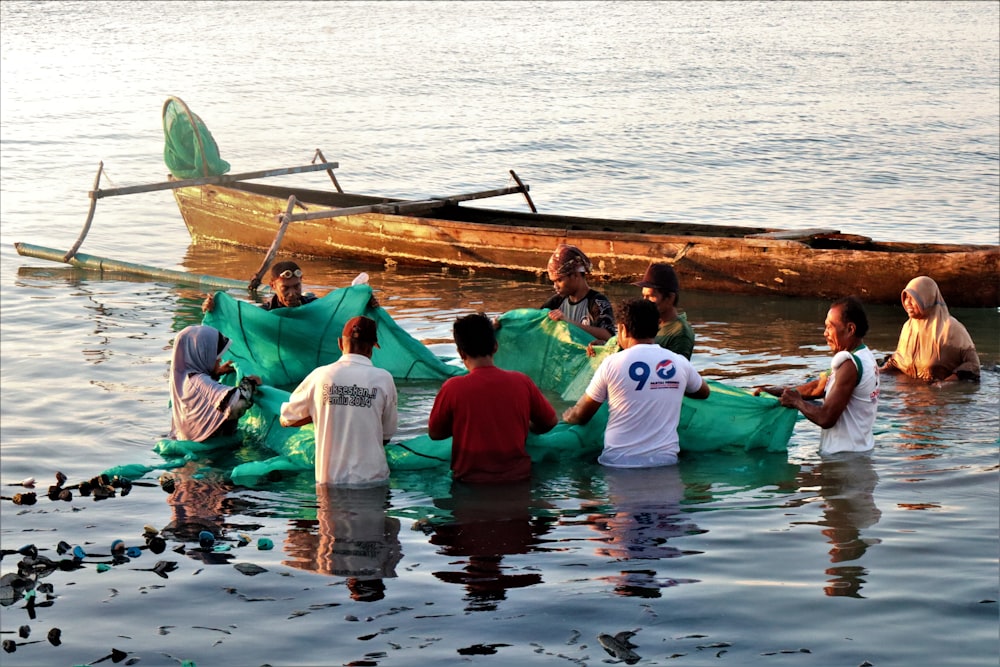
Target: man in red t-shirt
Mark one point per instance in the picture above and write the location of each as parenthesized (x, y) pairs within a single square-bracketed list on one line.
[(488, 412)]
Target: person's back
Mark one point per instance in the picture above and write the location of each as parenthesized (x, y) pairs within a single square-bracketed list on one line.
[(489, 412), (644, 386), (354, 407)]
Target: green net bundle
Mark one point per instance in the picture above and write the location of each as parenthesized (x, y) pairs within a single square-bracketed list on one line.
[(189, 149), (284, 345)]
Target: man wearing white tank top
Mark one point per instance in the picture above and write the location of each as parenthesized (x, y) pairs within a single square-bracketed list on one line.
[(850, 389)]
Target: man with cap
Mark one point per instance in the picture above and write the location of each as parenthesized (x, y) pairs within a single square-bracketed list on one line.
[(353, 405), (286, 289), (659, 285), (574, 300)]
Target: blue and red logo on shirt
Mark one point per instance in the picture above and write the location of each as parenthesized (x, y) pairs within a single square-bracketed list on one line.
[(665, 369)]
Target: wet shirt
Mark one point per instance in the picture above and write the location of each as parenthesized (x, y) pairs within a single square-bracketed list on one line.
[(354, 407), (593, 310)]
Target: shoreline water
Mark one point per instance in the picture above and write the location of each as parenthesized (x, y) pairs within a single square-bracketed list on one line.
[(874, 118)]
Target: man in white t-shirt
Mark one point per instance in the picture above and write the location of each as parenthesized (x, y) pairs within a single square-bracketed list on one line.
[(353, 404), (644, 386)]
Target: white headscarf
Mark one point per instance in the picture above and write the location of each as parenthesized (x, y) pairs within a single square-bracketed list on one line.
[(936, 345), (196, 399)]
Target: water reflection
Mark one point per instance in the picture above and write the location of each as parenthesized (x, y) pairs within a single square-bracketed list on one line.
[(644, 514), (199, 503), (351, 536), (847, 484), (489, 521), (712, 477)]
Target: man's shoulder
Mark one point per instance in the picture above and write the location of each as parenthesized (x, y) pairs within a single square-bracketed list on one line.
[(594, 295), (553, 302)]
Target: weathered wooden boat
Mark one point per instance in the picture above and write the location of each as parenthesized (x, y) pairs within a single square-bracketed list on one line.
[(440, 232)]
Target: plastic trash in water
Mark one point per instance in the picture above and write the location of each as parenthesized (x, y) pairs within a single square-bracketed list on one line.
[(206, 539), (360, 279), (265, 544)]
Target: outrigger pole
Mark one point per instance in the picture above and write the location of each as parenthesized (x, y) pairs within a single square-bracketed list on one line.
[(97, 193), (105, 265)]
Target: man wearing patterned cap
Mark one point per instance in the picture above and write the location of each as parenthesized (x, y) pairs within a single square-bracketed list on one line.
[(574, 300), (353, 405)]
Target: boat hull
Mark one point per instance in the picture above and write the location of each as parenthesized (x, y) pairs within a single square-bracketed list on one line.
[(816, 263)]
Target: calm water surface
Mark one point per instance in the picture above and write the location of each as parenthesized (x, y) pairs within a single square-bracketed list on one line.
[(877, 118)]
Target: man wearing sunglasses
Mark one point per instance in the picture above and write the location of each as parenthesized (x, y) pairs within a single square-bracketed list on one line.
[(286, 289)]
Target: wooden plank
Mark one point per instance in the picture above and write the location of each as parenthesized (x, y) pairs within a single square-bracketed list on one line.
[(211, 180), (402, 208), (792, 234)]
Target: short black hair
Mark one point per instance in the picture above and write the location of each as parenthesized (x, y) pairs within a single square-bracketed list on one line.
[(640, 317), (854, 312), (474, 335)]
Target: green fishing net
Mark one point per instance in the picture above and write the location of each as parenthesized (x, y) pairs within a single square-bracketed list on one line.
[(284, 345), (189, 150)]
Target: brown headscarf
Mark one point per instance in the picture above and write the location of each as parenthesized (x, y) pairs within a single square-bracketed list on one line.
[(936, 345), (567, 260)]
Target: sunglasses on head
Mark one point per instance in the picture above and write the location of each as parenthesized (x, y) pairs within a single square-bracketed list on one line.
[(288, 273)]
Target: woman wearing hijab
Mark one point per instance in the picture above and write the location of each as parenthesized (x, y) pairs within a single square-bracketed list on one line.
[(933, 345), (200, 405)]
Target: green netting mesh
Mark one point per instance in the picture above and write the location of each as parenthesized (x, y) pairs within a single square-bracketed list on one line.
[(283, 346), (190, 150)]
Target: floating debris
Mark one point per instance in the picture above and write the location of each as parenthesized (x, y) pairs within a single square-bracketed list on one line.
[(28, 498), (157, 544), (620, 647), (249, 569), (55, 636), (162, 567), (265, 544), (167, 483)]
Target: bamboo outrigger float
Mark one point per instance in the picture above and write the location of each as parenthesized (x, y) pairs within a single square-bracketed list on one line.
[(437, 233)]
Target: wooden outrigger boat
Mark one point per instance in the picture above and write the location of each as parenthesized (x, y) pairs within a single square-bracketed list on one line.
[(223, 208), (820, 263)]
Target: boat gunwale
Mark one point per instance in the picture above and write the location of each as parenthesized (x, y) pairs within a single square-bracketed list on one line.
[(560, 224)]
